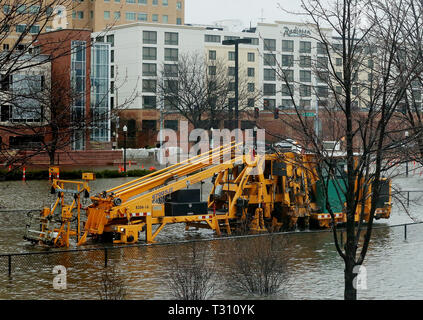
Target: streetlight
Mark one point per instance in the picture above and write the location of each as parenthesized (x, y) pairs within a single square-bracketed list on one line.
[(236, 42), (125, 130), (406, 164)]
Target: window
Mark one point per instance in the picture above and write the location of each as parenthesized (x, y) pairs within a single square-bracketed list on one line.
[(130, 1), (142, 16), (287, 103), (269, 89), (251, 87), (21, 9), (323, 77), (287, 75), (251, 57), (322, 62), (178, 21), (269, 59), (171, 54), (112, 56), (149, 69), (143, 2), (370, 63), (322, 92), (231, 71), (269, 75), (20, 28), (250, 103), (149, 85), (106, 15), (165, 18), (321, 48), (130, 16), (148, 125), (212, 54), (80, 15), (254, 41), (231, 86), (288, 45), (338, 62), (171, 38), (6, 9), (178, 5), (117, 15), (165, 3), (231, 55), (305, 91), (149, 102), (149, 37), (5, 82), (155, 2), (212, 70), (287, 90), (155, 18), (305, 104), (171, 87), (417, 95), (250, 72), (287, 60), (5, 46), (6, 113), (305, 47), (171, 124), (171, 70), (34, 9), (305, 76), (149, 53), (269, 104), (269, 44), (305, 61), (35, 29), (211, 38)]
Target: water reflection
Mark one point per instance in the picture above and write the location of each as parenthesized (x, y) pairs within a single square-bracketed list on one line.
[(314, 269)]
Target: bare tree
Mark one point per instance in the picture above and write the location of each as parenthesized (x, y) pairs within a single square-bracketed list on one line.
[(27, 47), (190, 275), (362, 90), (202, 90), (256, 265), (112, 285)]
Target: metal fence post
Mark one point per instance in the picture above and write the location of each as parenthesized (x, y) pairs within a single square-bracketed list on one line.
[(408, 199), (405, 232), (9, 258), (105, 257)]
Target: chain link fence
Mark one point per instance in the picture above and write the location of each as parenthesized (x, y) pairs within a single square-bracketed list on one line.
[(144, 269)]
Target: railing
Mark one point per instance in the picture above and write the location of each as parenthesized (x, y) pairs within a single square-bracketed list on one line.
[(106, 251)]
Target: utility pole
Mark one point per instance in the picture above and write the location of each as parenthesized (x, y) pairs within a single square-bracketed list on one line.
[(236, 42)]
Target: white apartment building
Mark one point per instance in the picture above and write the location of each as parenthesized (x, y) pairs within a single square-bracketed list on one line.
[(139, 50)]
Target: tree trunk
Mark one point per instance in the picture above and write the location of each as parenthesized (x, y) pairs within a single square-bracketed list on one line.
[(350, 292)]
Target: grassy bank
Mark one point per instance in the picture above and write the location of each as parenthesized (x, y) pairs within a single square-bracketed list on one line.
[(75, 174)]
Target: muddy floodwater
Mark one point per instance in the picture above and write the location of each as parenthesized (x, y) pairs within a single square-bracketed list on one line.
[(313, 268)]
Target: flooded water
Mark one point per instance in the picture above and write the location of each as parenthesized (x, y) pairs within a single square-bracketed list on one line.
[(313, 268)]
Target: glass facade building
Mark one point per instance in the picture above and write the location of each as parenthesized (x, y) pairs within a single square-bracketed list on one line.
[(78, 83), (100, 111)]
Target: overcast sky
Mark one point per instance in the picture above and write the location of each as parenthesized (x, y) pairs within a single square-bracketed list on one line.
[(208, 11)]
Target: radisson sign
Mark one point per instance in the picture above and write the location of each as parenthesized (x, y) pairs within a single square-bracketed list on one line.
[(296, 32)]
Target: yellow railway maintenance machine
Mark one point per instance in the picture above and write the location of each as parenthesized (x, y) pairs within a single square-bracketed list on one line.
[(284, 193)]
